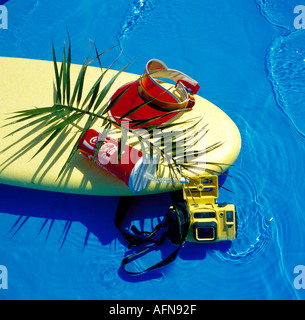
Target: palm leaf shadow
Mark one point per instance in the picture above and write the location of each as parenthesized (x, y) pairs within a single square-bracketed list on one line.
[(42, 168), (61, 127)]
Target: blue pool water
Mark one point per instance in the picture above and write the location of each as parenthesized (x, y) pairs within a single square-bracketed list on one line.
[(249, 60)]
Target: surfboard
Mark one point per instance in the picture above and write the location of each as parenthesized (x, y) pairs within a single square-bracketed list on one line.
[(26, 83)]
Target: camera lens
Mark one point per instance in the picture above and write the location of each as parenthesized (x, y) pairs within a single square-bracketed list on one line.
[(206, 233)]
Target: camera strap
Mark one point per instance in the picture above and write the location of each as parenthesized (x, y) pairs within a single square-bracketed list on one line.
[(180, 229)]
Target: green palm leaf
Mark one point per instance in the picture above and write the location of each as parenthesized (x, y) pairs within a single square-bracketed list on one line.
[(57, 78), (71, 105)]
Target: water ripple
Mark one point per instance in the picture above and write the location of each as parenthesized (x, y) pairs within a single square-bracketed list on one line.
[(278, 12), (286, 66), (285, 60), (255, 222), (137, 14)]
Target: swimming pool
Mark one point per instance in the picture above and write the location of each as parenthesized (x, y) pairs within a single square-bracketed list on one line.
[(249, 60)]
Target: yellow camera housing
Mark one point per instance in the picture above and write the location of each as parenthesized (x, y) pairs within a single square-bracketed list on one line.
[(209, 221)]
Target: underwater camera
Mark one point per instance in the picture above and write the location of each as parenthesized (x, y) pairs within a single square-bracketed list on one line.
[(194, 216), (208, 221)]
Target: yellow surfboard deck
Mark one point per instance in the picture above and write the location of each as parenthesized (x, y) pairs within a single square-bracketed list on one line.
[(26, 83)]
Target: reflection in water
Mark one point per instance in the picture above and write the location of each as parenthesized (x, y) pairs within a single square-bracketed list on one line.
[(137, 15)]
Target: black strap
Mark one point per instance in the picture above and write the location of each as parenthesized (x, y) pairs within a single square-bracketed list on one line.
[(160, 264), (122, 208), (132, 240)]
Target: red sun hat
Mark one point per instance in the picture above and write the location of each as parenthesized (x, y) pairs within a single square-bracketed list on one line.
[(162, 104)]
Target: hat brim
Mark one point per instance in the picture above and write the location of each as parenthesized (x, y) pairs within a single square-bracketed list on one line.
[(131, 99)]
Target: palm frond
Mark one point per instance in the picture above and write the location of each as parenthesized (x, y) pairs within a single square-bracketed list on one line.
[(57, 77), (71, 104)]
